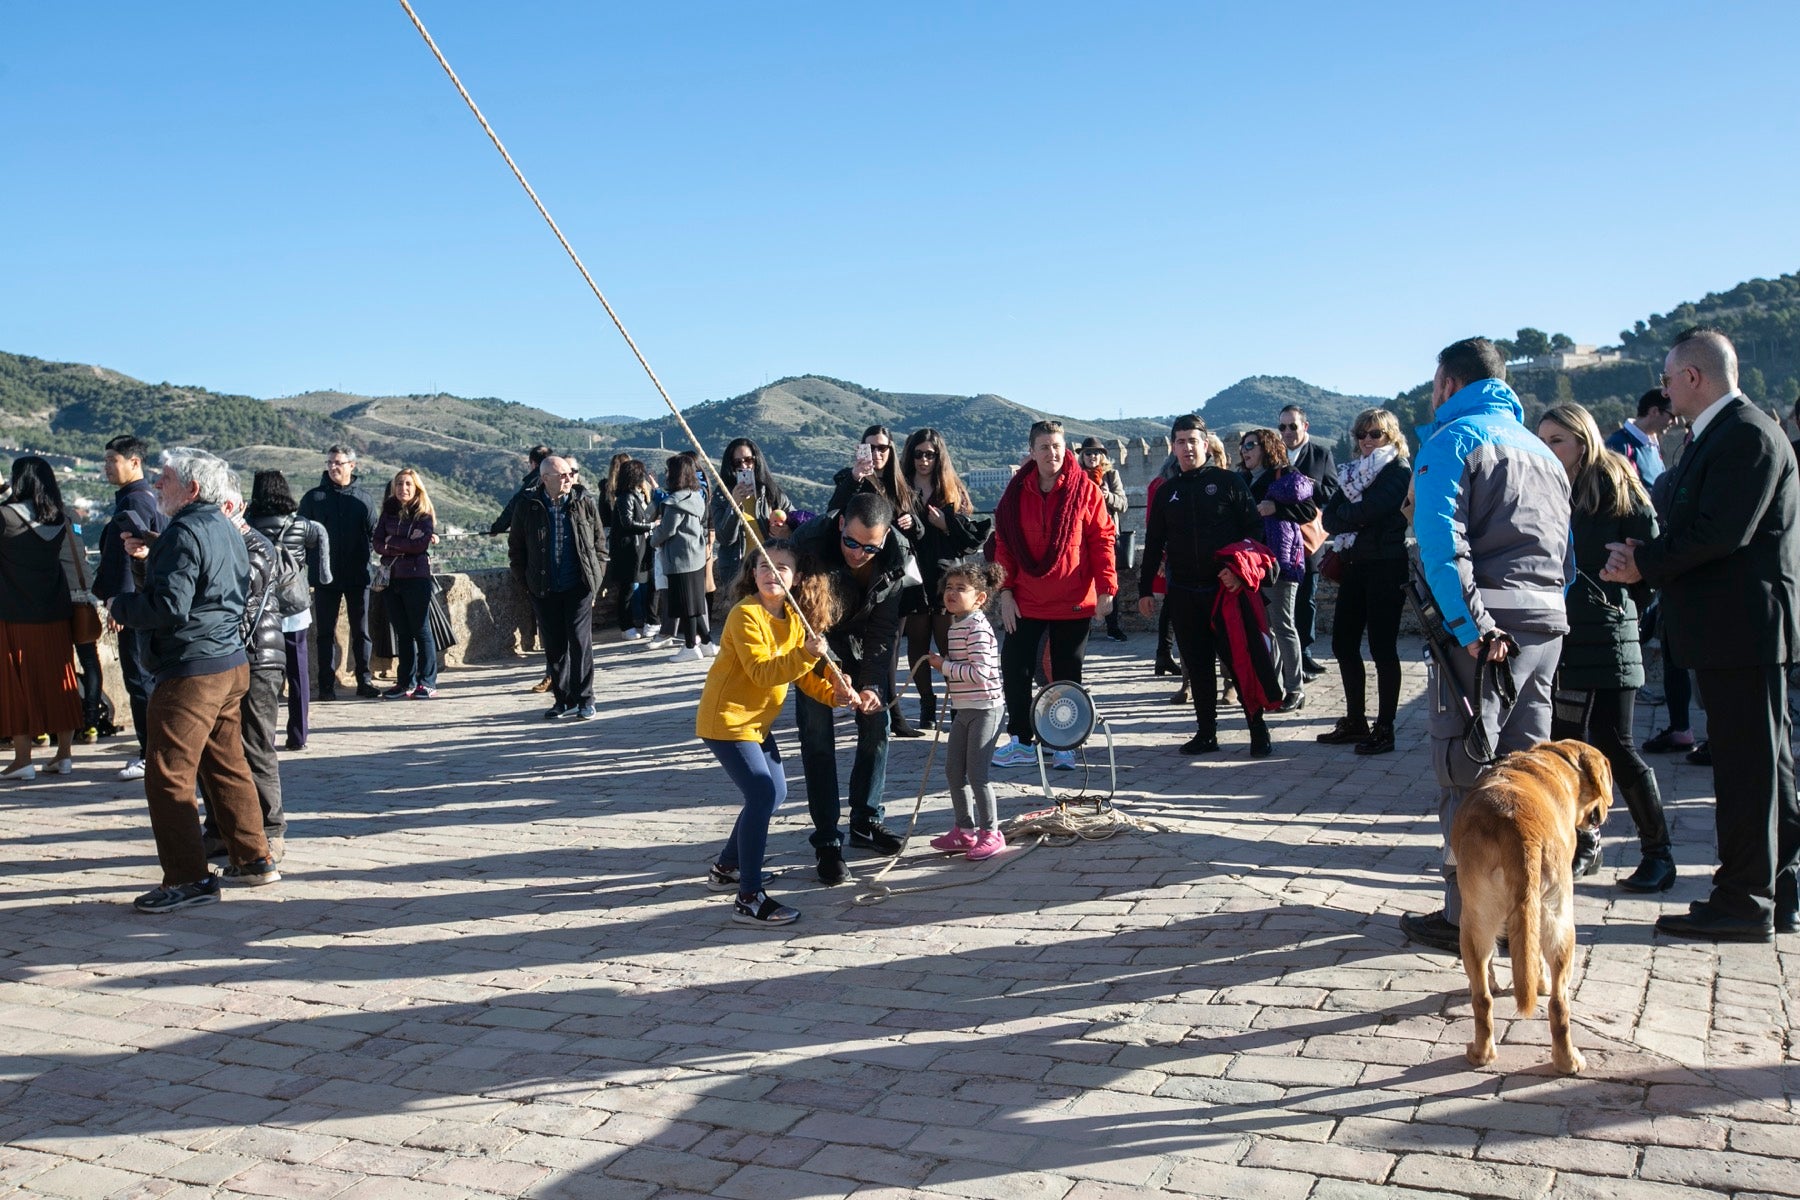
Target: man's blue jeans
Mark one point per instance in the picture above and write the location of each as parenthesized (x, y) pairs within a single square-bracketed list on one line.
[(818, 759)]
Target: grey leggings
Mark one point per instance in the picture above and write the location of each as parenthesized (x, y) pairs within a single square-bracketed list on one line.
[(967, 757)]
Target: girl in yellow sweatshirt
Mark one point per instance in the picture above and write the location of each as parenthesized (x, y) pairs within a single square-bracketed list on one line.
[(763, 649)]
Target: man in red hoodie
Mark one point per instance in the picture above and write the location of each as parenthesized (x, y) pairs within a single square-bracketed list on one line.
[(1054, 538)]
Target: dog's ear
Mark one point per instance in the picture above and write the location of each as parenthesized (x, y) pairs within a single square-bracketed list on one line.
[(1596, 778)]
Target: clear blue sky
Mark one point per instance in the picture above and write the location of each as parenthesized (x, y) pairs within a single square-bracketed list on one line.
[(1089, 208)]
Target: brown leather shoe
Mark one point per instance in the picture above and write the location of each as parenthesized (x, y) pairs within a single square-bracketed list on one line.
[(542, 685)]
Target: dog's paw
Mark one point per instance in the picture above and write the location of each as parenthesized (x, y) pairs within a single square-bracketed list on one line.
[(1480, 1054), (1569, 1062)]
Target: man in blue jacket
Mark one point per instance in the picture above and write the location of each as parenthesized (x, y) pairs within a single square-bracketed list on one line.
[(192, 584), (1491, 519), (124, 467)]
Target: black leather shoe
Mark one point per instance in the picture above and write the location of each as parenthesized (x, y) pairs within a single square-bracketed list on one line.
[(1260, 746), (1700, 755), (1656, 873), (1703, 922), (831, 865), (1311, 667), (1432, 931), (1294, 701), (878, 838), (1379, 741), (1200, 743), (901, 729), (1167, 666), (368, 691), (1347, 731), (1588, 853), (1787, 921)]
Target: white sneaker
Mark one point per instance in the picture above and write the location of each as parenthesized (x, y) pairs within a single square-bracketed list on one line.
[(1063, 760), (686, 654), (659, 643), (709, 650), (632, 635), (20, 774), (133, 769), (62, 766), (1015, 754)]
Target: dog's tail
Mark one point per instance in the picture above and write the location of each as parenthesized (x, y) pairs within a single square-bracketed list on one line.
[(1525, 937)]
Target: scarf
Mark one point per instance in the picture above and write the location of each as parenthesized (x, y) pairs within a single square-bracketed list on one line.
[(1009, 523), (1356, 476)]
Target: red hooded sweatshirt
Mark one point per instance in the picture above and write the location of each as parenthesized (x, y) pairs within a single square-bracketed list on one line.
[(1083, 564)]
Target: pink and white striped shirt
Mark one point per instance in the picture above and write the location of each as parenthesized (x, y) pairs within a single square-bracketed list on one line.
[(972, 663)]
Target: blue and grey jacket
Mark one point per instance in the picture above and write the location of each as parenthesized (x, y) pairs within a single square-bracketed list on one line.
[(1491, 517)]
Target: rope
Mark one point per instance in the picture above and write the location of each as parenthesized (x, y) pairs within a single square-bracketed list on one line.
[(704, 464)]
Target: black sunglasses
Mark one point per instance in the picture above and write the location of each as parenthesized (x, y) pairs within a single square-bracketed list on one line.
[(851, 543)]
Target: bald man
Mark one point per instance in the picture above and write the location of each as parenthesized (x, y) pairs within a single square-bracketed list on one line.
[(557, 549), (1728, 564)]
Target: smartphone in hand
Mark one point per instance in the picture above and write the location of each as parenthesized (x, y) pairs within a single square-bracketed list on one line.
[(746, 477), (865, 454), (139, 530)]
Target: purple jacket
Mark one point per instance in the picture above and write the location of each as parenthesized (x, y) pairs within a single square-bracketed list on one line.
[(405, 542), (1283, 536)]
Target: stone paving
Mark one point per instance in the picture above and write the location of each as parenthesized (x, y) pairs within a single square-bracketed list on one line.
[(491, 970)]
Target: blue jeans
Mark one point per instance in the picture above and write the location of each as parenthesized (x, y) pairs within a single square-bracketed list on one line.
[(818, 759), (409, 616), (756, 770)]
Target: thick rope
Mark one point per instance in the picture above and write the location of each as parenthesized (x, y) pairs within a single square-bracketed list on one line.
[(705, 464)]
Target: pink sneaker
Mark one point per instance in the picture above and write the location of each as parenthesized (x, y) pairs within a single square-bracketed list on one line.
[(954, 842), (988, 843)]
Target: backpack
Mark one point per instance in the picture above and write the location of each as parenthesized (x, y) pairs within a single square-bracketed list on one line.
[(292, 596)]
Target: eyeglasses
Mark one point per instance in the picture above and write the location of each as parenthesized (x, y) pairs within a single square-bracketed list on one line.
[(565, 474), (1290, 428), (1369, 435), (925, 454), (851, 543), (340, 462)]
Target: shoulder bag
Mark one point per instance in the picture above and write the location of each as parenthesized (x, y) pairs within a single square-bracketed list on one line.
[(85, 625)]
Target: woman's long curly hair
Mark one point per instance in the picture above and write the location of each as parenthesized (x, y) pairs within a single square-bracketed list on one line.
[(813, 594)]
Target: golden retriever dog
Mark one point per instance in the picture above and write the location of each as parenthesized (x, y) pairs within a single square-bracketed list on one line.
[(1514, 842)]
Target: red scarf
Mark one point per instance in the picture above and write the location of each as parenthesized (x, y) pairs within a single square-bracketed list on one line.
[(1065, 496)]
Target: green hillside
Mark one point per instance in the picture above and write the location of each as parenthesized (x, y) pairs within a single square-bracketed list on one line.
[(1256, 402)]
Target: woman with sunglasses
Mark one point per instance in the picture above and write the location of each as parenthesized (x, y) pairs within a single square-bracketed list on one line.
[(876, 470), (948, 529), (1283, 499), (1099, 467), (1370, 526), (747, 491), (1601, 667)]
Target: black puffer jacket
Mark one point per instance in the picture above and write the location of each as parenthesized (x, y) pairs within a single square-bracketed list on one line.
[(629, 537), (305, 541), (869, 622), (1376, 519), (1601, 648), (260, 626), (349, 520)]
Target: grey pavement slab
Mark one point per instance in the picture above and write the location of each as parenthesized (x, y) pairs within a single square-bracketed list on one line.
[(491, 970)]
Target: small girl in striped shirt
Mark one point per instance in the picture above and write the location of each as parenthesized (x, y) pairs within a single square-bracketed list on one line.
[(971, 670)]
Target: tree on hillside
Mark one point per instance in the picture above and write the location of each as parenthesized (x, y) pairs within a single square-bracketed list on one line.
[(1531, 342), (1561, 341), (1751, 383)]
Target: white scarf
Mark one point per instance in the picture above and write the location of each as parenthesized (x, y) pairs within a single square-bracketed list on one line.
[(1356, 476)]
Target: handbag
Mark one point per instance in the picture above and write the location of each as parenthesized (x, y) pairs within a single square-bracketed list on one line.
[(1331, 565), (382, 575), (1313, 535), (85, 625), (437, 615)]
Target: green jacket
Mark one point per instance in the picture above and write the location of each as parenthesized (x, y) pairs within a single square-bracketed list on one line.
[(1601, 648)]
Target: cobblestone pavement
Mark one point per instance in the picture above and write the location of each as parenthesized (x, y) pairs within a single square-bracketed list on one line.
[(492, 970)]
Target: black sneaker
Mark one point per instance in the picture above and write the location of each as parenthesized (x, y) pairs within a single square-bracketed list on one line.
[(1117, 634), (168, 898), (393, 693), (760, 910), (721, 879), (1700, 755), (878, 838), (1347, 731), (1200, 743), (1433, 931), (1666, 742), (367, 690), (557, 712), (832, 870), (252, 874)]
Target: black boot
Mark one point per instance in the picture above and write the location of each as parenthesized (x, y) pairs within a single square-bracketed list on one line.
[(1379, 741), (1347, 731), (1588, 851), (927, 712), (1656, 873), (897, 724), (1260, 746)]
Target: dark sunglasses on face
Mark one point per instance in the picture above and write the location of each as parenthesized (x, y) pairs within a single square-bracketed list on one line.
[(1368, 435), (1290, 429), (880, 447), (851, 543), (741, 463), (929, 454)]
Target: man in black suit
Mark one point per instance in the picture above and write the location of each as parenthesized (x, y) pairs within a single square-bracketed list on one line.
[(1728, 564), (1313, 460)]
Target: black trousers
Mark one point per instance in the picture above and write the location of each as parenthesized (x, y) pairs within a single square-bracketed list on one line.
[(1602, 718), (261, 712), (1018, 663), (568, 633), (1190, 617), (1369, 600), (325, 616), (134, 654), (1305, 612), (1756, 815)]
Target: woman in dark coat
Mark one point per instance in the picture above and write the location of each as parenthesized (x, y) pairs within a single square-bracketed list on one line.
[(948, 529), (1283, 498), (882, 474), (38, 690), (628, 543), (747, 489), (1601, 667), (1369, 524)]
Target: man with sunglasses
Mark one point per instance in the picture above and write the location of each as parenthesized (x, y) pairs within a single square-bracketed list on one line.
[(860, 552), (1313, 460)]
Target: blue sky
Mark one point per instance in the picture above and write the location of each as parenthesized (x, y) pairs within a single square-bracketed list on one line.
[(1091, 209)]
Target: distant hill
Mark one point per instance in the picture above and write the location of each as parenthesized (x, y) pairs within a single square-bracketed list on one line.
[(1256, 402)]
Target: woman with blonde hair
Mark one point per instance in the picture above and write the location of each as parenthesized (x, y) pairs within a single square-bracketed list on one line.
[(1369, 529), (1601, 667), (402, 540)]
